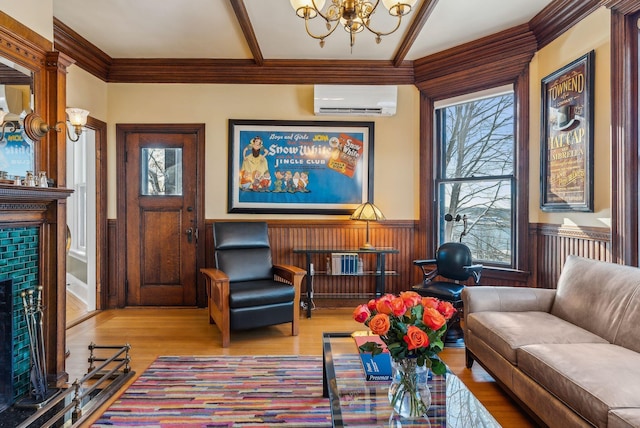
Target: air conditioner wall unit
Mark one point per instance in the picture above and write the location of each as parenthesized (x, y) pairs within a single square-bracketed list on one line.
[(355, 100)]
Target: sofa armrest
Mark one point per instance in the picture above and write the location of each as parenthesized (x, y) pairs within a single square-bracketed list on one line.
[(507, 299)]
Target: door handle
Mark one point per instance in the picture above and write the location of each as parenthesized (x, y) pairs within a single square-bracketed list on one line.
[(189, 233)]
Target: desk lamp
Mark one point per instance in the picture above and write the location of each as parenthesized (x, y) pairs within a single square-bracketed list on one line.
[(367, 212)]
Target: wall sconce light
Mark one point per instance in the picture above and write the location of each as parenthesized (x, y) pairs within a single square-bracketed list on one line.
[(11, 125), (367, 212), (35, 127)]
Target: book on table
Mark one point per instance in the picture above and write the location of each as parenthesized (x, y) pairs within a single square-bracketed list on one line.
[(376, 368)]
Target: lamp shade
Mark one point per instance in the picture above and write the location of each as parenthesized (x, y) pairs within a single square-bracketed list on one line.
[(77, 116), (367, 211)]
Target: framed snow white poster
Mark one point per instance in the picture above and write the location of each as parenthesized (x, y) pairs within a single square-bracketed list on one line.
[(299, 167)]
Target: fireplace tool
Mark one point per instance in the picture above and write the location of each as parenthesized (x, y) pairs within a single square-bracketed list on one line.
[(33, 311)]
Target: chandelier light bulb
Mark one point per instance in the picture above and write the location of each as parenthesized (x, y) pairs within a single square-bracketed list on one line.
[(353, 15), (306, 7), (397, 7)]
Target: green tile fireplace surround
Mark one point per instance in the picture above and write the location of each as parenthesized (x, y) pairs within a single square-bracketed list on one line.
[(19, 254)]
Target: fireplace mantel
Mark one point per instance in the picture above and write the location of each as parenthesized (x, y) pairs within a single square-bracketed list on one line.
[(24, 204), (26, 193), (44, 207)]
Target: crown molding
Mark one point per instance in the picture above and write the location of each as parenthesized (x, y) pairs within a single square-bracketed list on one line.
[(490, 61), (86, 54), (26, 35), (625, 7), (559, 16)]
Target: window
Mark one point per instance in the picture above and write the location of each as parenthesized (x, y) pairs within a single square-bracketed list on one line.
[(161, 171), (475, 175), (77, 204)]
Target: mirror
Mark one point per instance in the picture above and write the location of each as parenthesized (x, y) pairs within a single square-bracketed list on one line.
[(16, 98)]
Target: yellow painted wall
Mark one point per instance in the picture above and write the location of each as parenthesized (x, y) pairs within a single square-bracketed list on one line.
[(592, 33), (86, 91), (396, 171), (396, 164), (35, 14)]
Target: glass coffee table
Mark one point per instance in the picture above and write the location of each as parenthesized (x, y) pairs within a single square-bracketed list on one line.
[(357, 402)]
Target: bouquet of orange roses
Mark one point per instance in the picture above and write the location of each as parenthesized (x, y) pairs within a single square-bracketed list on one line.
[(410, 325)]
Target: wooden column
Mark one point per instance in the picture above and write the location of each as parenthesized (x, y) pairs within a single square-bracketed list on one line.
[(53, 159)]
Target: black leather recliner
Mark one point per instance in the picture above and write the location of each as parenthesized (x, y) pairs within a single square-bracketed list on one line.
[(245, 290), (453, 261)]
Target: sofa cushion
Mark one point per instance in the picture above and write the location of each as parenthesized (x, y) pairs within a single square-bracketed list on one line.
[(624, 418), (507, 331), (628, 335), (590, 378), (596, 295)]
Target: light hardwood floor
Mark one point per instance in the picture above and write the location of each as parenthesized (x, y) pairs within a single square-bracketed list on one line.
[(152, 332), (76, 310)]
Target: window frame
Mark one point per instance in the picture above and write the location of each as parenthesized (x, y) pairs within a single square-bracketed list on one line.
[(427, 241), (440, 177), (625, 121)]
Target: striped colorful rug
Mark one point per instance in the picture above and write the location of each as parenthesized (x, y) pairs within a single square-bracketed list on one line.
[(224, 391)]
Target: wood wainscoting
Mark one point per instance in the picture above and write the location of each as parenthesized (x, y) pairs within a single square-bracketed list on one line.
[(553, 243), (286, 235)]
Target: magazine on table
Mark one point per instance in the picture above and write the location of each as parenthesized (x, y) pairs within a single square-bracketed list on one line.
[(376, 368)]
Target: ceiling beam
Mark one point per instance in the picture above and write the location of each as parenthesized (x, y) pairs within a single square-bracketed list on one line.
[(11, 76), (429, 72), (247, 29), (180, 70), (416, 26)]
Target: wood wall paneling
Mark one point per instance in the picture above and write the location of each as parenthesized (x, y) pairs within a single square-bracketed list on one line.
[(285, 235), (550, 246), (111, 290), (554, 243)]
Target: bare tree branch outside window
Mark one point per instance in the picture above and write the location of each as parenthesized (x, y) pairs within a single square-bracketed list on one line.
[(162, 171), (476, 176)]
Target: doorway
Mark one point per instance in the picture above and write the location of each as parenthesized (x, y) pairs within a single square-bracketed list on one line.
[(86, 219), (160, 202)]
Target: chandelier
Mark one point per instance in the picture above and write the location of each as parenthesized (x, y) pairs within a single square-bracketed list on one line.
[(353, 15)]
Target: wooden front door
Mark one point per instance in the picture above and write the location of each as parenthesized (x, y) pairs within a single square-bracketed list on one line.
[(162, 206)]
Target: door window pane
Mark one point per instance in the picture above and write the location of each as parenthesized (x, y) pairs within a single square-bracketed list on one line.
[(161, 171)]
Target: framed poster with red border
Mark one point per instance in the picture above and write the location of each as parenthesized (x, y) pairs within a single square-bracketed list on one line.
[(567, 137)]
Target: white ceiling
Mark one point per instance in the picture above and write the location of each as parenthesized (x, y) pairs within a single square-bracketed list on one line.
[(210, 29)]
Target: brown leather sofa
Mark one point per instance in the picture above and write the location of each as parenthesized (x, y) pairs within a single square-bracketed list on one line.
[(570, 355)]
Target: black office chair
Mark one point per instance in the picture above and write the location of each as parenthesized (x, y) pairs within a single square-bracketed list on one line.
[(246, 290), (453, 261)]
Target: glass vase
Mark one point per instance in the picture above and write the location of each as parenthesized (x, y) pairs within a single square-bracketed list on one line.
[(409, 393)]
